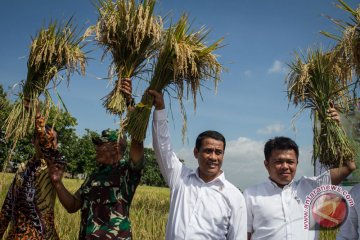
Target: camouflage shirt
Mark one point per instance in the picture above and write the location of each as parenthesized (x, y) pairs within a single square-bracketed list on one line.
[(106, 195), (28, 209)]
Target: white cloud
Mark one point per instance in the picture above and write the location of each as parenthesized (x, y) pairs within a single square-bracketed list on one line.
[(277, 67), (271, 129), (248, 73)]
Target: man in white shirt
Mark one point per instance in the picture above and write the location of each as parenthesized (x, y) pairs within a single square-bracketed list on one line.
[(275, 208), (203, 204), (350, 230)]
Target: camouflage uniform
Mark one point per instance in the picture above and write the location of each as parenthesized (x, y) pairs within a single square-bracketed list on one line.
[(106, 195)]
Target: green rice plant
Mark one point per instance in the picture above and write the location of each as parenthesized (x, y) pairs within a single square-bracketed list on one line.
[(317, 81), (5, 181), (54, 49), (131, 33), (184, 61), (149, 212), (68, 224)]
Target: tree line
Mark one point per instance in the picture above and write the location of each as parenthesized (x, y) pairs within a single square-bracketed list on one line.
[(79, 151)]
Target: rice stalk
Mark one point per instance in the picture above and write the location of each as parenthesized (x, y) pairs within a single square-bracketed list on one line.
[(53, 49), (348, 44), (316, 81), (131, 33), (183, 63)]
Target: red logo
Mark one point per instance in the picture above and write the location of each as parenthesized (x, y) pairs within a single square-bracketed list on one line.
[(329, 210)]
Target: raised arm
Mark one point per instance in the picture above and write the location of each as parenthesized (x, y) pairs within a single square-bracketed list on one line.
[(67, 199), (136, 147), (339, 174), (136, 151), (169, 164)]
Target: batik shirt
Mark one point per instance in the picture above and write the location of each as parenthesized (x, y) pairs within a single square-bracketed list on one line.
[(28, 208), (106, 195)]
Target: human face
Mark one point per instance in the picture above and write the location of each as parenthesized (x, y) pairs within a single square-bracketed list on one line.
[(210, 157), (282, 166), (108, 153)]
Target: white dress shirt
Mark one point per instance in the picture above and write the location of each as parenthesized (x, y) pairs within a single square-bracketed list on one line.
[(275, 213), (198, 210), (350, 229)]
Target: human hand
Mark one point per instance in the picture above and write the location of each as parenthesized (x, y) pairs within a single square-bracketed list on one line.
[(333, 114), (126, 88), (55, 172), (158, 99)]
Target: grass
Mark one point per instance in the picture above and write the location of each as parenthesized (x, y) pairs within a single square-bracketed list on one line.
[(148, 213)]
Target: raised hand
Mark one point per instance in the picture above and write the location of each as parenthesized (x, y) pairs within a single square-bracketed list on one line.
[(158, 99)]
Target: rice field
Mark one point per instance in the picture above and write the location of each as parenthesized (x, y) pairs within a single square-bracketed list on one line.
[(148, 214)]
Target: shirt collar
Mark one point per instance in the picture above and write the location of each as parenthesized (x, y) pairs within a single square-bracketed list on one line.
[(276, 186), (219, 179)]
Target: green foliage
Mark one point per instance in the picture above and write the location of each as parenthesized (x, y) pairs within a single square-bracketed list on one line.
[(82, 155), (152, 175)]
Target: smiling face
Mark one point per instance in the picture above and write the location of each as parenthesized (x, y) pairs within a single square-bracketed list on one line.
[(210, 157), (281, 166)]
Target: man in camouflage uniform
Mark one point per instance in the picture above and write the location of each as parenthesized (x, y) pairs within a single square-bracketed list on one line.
[(105, 196), (28, 209)]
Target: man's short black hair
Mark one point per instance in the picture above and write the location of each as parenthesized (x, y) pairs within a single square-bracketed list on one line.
[(209, 134), (280, 143)]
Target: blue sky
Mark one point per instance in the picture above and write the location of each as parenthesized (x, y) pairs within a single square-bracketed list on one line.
[(250, 105)]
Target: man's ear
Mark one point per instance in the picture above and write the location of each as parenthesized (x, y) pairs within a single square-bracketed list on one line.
[(196, 152), (266, 164)]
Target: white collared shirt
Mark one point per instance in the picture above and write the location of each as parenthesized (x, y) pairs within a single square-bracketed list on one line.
[(198, 210), (350, 230), (275, 213)]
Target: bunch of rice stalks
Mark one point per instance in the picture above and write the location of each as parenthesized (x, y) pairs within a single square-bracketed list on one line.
[(54, 49), (131, 33), (184, 61), (317, 81), (348, 46)]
